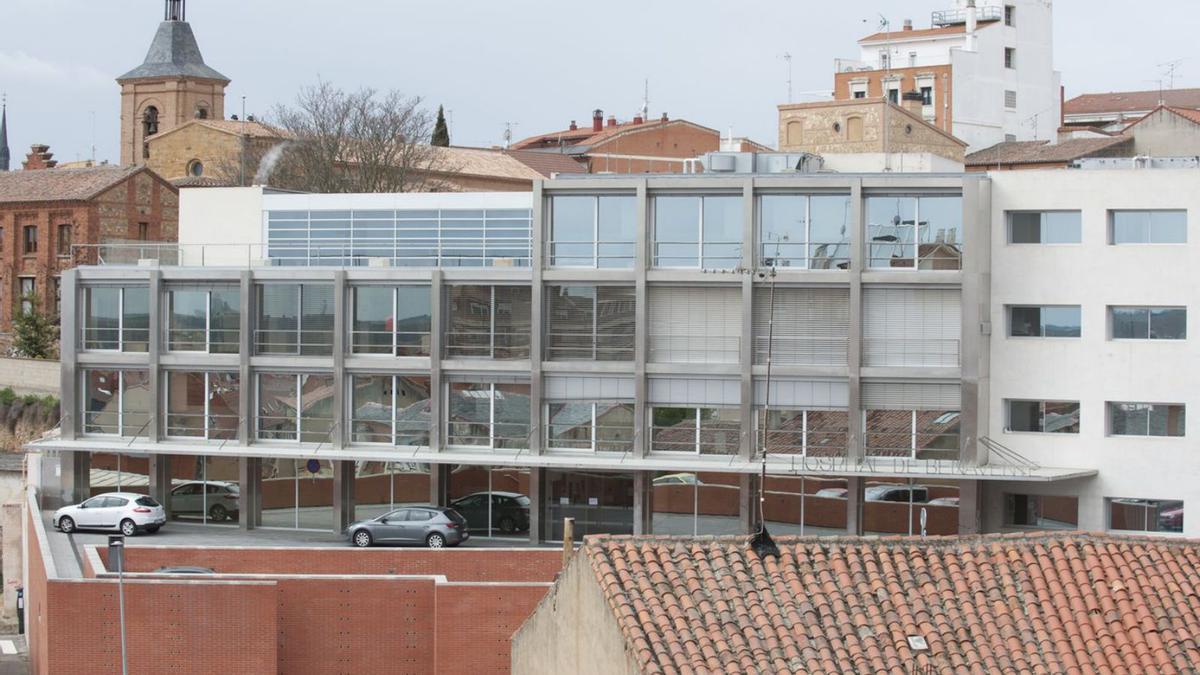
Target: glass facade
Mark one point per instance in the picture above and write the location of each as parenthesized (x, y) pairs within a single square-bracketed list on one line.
[(112, 472), (203, 319), (590, 323), (892, 506), (914, 232), (202, 405), (293, 407), (116, 402), (391, 409), (806, 506), (593, 231), (804, 232), (488, 322), (488, 415), (702, 431), (380, 487), (403, 238), (295, 319), (204, 489), (600, 502), (698, 232), (593, 427), (689, 503), (493, 499), (116, 318), (394, 320), (812, 433), (916, 434), (297, 493)]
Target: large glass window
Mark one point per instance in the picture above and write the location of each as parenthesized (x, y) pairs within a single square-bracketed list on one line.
[(297, 493), (117, 402), (1146, 419), (380, 487), (204, 489), (394, 320), (698, 232), (696, 504), (1148, 227), (392, 409), (916, 434), (295, 407), (1049, 417), (702, 431), (595, 427), (116, 318), (295, 319), (1148, 323), (493, 500), (111, 472), (203, 319), (1041, 511), (1045, 227), (805, 232), (894, 506), (600, 502), (488, 322), (489, 415), (590, 323), (1044, 321), (1145, 515), (804, 505), (593, 231), (914, 232), (202, 405), (811, 433)]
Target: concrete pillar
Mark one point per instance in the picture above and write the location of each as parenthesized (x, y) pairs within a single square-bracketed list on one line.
[(250, 497), (436, 390), (641, 326), (12, 521), (338, 435), (537, 296), (642, 505), (245, 376), (439, 484), (855, 441), (970, 505), (75, 476), (746, 444), (343, 494), (537, 477), (69, 335), (854, 500), (155, 428), (160, 481)]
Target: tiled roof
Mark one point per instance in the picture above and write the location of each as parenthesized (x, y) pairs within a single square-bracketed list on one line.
[(50, 185), (1027, 603), (1042, 152), (484, 162), (587, 137), (900, 35), (174, 53), (232, 127), (548, 163), (1131, 101)]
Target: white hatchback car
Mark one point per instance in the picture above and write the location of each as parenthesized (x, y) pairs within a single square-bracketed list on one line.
[(127, 512)]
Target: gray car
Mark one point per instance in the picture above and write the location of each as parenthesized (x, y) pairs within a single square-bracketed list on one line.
[(432, 526)]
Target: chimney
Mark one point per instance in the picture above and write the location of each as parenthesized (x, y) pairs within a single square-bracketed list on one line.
[(972, 24), (908, 24), (664, 117), (637, 119), (39, 157), (597, 120), (573, 125), (913, 102), (612, 121)]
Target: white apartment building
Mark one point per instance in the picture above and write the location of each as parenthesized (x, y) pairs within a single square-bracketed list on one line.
[(986, 73)]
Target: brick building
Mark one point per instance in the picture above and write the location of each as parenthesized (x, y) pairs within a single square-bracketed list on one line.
[(45, 210), (864, 126)]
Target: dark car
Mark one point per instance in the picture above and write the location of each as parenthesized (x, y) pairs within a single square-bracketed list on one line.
[(509, 511), (433, 526)]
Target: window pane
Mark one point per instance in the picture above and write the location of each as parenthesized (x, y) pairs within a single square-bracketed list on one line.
[(937, 434), (136, 402), (187, 321), (829, 232), (890, 231), (371, 406), (102, 319), (277, 407), (1168, 323), (224, 331), (1166, 420), (1025, 321), (570, 317), (414, 317), (673, 429), (1061, 321), (224, 401), (412, 411), (185, 404), (1061, 417), (1060, 513), (940, 233), (722, 232), (570, 426), (720, 431), (783, 230), (470, 414), (1168, 227), (317, 412), (889, 433), (781, 432), (614, 427), (1062, 227), (615, 322), (278, 318), (617, 231), (1130, 323), (828, 432), (513, 322), (135, 333), (1130, 227), (373, 320), (512, 416), (573, 219), (100, 407), (1129, 419), (470, 322), (1025, 228), (1024, 416), (676, 231), (316, 320)]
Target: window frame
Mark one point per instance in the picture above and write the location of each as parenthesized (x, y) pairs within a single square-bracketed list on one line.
[(697, 442), (594, 440), (299, 408), (522, 351), (358, 349), (61, 250), (1010, 58), (120, 399), (1042, 403), (1008, 316), (1042, 224), (598, 256), (918, 263), (29, 246), (394, 432), (1109, 409), (764, 259), (209, 343), (1007, 517), (762, 432), (1147, 505), (299, 349), (623, 354), (448, 418), (701, 244), (121, 329), (1149, 311), (1112, 224), (208, 397)]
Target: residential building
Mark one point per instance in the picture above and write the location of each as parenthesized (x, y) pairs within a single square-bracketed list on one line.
[(52, 219), (1055, 603), (602, 346), (985, 74), (1116, 110)]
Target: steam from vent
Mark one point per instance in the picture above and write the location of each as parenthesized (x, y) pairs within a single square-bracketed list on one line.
[(269, 160)]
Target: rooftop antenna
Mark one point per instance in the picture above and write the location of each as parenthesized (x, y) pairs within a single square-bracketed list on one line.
[(508, 129), (93, 114), (762, 543), (646, 100), (1169, 68), (787, 56)]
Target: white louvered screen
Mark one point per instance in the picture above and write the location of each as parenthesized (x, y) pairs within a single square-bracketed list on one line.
[(911, 396), (695, 325), (803, 393), (911, 327), (584, 388), (694, 391), (811, 326)]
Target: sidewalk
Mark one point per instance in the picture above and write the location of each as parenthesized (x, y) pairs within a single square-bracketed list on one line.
[(14, 655)]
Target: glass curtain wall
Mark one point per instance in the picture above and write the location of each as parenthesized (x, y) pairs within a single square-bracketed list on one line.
[(380, 487), (698, 232), (116, 402), (295, 319), (593, 231), (590, 323), (701, 431), (600, 502), (112, 472), (488, 415), (203, 319), (116, 318), (488, 322), (914, 434), (686, 503), (806, 505), (202, 405), (605, 426), (293, 407), (804, 232), (810, 433), (393, 320), (894, 506), (914, 232), (204, 489), (494, 500), (297, 494), (390, 409)]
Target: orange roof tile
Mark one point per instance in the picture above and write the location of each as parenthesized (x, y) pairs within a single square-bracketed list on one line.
[(1029, 602), (898, 35), (1131, 101)]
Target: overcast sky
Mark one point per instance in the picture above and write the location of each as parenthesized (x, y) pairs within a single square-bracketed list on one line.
[(536, 63)]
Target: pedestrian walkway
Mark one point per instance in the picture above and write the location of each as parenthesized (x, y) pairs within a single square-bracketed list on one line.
[(14, 655)]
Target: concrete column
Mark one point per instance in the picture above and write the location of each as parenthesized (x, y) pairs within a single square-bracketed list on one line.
[(746, 445), (641, 262), (439, 484), (338, 436), (68, 345), (160, 481), (858, 259), (970, 506), (250, 496), (854, 501), (976, 320), (343, 494), (245, 376), (642, 505), (75, 476), (437, 394), (748, 503), (537, 477), (157, 327), (537, 295)]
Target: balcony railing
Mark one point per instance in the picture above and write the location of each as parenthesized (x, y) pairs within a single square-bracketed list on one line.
[(953, 17), (274, 255)]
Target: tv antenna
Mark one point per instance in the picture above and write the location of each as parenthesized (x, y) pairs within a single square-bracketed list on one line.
[(1169, 69), (508, 133), (787, 57)]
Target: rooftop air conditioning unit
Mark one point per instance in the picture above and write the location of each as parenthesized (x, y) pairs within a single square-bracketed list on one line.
[(722, 163)]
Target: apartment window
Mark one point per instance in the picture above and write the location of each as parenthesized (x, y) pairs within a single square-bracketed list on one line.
[(143, 231), (893, 95), (393, 320), (64, 240), (295, 319), (1010, 15), (1145, 515), (488, 322), (490, 415), (1047, 417), (29, 239), (884, 59), (914, 232), (860, 94), (27, 294), (701, 431), (801, 326), (1148, 227), (927, 95), (596, 232), (116, 402), (116, 318), (390, 409), (203, 319), (1010, 57), (294, 407), (56, 298), (590, 323), (1146, 419), (914, 434), (1045, 227), (1148, 323), (704, 232), (590, 426), (804, 232), (1041, 511), (1010, 99), (911, 327), (202, 405), (912, 59), (695, 325), (1044, 321), (808, 433)]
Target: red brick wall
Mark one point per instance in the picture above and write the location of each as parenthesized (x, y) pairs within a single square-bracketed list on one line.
[(37, 624), (475, 625)]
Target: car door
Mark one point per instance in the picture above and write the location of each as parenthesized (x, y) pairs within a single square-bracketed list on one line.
[(109, 514), (415, 524), (391, 526), (184, 499), (474, 509), (88, 513)]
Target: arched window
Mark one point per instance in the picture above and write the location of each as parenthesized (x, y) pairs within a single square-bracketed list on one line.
[(195, 168), (201, 112), (854, 129), (795, 132), (150, 121)]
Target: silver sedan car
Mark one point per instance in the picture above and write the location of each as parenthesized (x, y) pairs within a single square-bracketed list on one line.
[(432, 526)]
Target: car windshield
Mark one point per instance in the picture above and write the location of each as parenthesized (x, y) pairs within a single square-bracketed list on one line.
[(454, 516), (146, 501)]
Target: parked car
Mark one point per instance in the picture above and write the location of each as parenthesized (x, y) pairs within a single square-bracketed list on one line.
[(433, 526), (127, 512), (510, 511), (944, 501), (677, 479), (897, 493), (194, 497), (185, 570), (832, 493)]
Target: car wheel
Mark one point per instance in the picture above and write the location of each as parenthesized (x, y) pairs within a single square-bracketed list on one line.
[(218, 512), (362, 539), (507, 525), (128, 528), (435, 540), (66, 524)]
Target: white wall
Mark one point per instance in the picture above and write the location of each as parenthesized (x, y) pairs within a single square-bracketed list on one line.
[(902, 162), (1093, 369), (220, 226)]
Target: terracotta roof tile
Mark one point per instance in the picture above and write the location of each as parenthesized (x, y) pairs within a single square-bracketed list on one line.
[(899, 35), (1025, 602), (1042, 152), (1131, 101), (49, 185)]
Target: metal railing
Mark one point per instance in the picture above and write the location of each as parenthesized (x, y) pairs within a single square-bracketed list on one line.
[(793, 442), (919, 352), (559, 437), (199, 425), (589, 346), (595, 255), (404, 433), (290, 341), (283, 428), (892, 256), (1006, 455), (487, 345), (710, 255), (951, 17), (284, 255), (407, 343), (800, 255), (212, 341), (116, 339)]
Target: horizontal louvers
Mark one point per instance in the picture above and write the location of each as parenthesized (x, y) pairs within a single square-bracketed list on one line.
[(911, 396), (695, 325), (812, 394), (811, 326), (911, 327), (584, 388), (694, 391)]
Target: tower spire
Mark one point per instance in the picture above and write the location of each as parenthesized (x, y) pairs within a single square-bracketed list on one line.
[(176, 10), (4, 155)]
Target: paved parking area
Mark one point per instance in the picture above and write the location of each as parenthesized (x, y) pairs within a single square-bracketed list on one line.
[(14, 655)]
